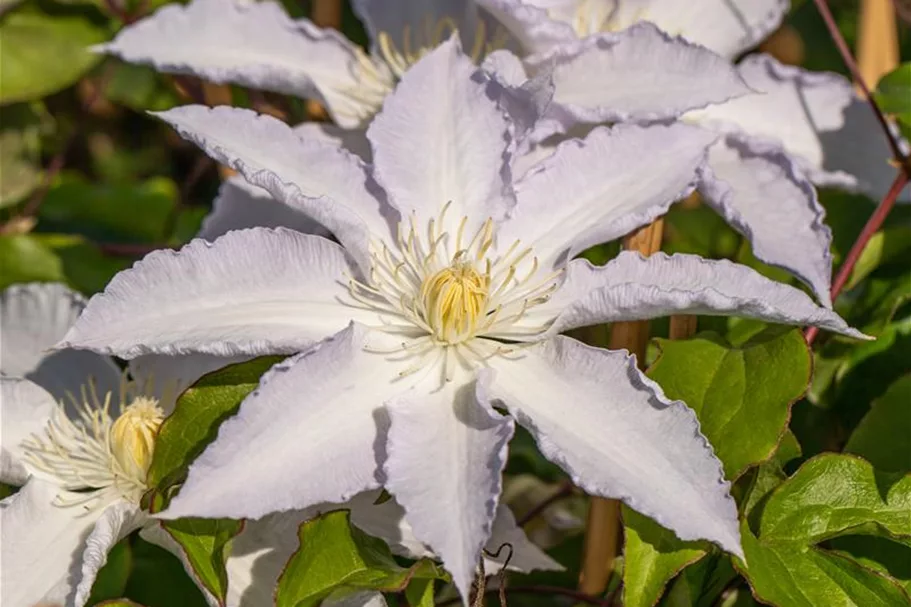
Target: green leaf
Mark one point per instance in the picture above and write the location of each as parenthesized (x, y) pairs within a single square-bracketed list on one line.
[(652, 556), (140, 88), (893, 93), (741, 395), (24, 258), (829, 496), (20, 147), (85, 267), (336, 559), (195, 420), (420, 593), (117, 603), (41, 53), (129, 212), (888, 556), (883, 436), (151, 566), (204, 542), (702, 584), (885, 246)]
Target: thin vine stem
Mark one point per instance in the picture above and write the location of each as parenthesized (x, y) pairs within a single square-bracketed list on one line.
[(872, 226), (823, 7), (565, 490)]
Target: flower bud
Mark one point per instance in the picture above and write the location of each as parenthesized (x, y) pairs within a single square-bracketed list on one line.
[(133, 436)]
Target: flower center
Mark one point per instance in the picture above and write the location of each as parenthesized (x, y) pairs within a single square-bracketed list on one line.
[(455, 298), (96, 455), (451, 297), (596, 16)]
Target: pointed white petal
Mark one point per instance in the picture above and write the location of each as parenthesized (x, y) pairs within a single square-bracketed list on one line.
[(453, 149), (598, 189), (250, 292), (637, 74), (41, 545), (525, 555), (240, 205), (313, 431), (254, 44), (631, 287), (324, 181), (727, 27), (116, 522), (530, 25), (446, 456), (616, 434), (354, 140), (25, 408), (33, 317), (759, 190), (818, 119)]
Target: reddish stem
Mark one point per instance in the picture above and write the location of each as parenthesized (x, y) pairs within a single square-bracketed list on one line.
[(565, 490), (851, 64), (873, 225)]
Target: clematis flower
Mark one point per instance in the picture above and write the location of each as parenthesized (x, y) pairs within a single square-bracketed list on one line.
[(798, 128), (83, 458), (256, 44), (433, 327)]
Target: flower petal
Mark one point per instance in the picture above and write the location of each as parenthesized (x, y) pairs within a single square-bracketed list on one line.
[(324, 181), (254, 44), (529, 24), (616, 434), (240, 205), (41, 545), (759, 190), (598, 189), (632, 287), (25, 408), (638, 74), (451, 150), (116, 522), (353, 140), (446, 456), (256, 291), (818, 119), (312, 432), (727, 27), (416, 24), (33, 317)]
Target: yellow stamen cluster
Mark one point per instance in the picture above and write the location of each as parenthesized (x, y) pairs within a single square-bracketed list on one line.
[(133, 435), (455, 298)]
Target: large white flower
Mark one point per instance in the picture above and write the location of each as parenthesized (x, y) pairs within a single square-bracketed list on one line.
[(82, 452), (799, 128), (442, 305), (256, 44)]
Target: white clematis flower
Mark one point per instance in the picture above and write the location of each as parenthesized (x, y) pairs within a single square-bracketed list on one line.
[(442, 302), (256, 44), (797, 129), (83, 465)]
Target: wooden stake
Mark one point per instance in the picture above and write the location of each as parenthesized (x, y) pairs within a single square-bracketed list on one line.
[(682, 326), (218, 94), (602, 534), (324, 13), (877, 40)]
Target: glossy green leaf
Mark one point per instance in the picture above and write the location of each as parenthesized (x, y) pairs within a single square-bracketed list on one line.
[(110, 213), (893, 94), (20, 146), (42, 53), (195, 420), (652, 556), (829, 496), (205, 543), (703, 584), (885, 246), (883, 436), (24, 258), (889, 556), (336, 559), (742, 395), (420, 593)]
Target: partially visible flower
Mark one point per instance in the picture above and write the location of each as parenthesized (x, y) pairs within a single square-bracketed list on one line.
[(444, 300), (798, 128), (83, 462)]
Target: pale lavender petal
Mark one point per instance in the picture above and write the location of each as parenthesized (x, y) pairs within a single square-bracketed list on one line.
[(251, 292), (534, 29), (594, 414), (25, 408), (759, 190), (115, 523)]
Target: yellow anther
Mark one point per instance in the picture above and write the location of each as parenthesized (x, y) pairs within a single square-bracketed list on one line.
[(133, 435), (454, 299)]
